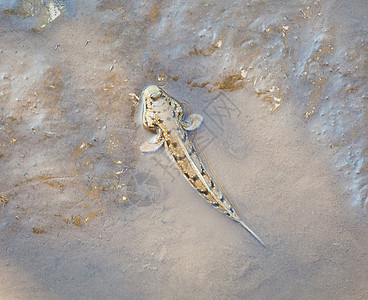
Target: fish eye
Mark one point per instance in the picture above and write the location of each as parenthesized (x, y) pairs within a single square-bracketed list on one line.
[(156, 96)]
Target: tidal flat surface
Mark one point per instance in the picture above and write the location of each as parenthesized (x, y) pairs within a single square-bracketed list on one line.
[(282, 88)]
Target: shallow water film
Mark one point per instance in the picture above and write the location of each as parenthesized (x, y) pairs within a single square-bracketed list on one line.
[(282, 87)]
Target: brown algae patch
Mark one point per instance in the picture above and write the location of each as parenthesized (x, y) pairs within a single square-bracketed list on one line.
[(37, 230), (38, 178), (46, 179), (79, 221), (81, 148), (318, 91), (55, 184), (94, 193), (3, 199), (213, 48), (271, 96), (232, 82), (154, 12), (200, 85), (13, 141), (90, 216)]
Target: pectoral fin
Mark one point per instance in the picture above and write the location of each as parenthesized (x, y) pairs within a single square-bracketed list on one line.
[(193, 123), (153, 143)]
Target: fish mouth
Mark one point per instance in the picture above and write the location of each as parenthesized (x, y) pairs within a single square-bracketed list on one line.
[(151, 92)]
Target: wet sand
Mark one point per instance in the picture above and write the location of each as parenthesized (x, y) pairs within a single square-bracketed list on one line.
[(84, 214)]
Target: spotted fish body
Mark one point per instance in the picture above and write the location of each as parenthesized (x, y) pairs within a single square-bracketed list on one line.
[(164, 116)]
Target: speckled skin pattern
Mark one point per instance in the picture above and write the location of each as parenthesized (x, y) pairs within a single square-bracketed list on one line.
[(164, 115)]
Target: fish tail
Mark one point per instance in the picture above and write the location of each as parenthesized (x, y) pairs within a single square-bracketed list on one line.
[(252, 233)]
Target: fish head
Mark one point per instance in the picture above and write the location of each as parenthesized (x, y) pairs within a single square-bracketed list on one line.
[(159, 108)]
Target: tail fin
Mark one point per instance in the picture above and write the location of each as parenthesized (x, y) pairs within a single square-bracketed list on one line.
[(252, 233)]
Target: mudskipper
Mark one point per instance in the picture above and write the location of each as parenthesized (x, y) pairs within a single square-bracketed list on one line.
[(164, 116)]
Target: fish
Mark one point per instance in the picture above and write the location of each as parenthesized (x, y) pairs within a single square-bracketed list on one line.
[(163, 115)]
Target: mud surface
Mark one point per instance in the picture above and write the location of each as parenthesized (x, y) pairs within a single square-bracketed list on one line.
[(282, 88)]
